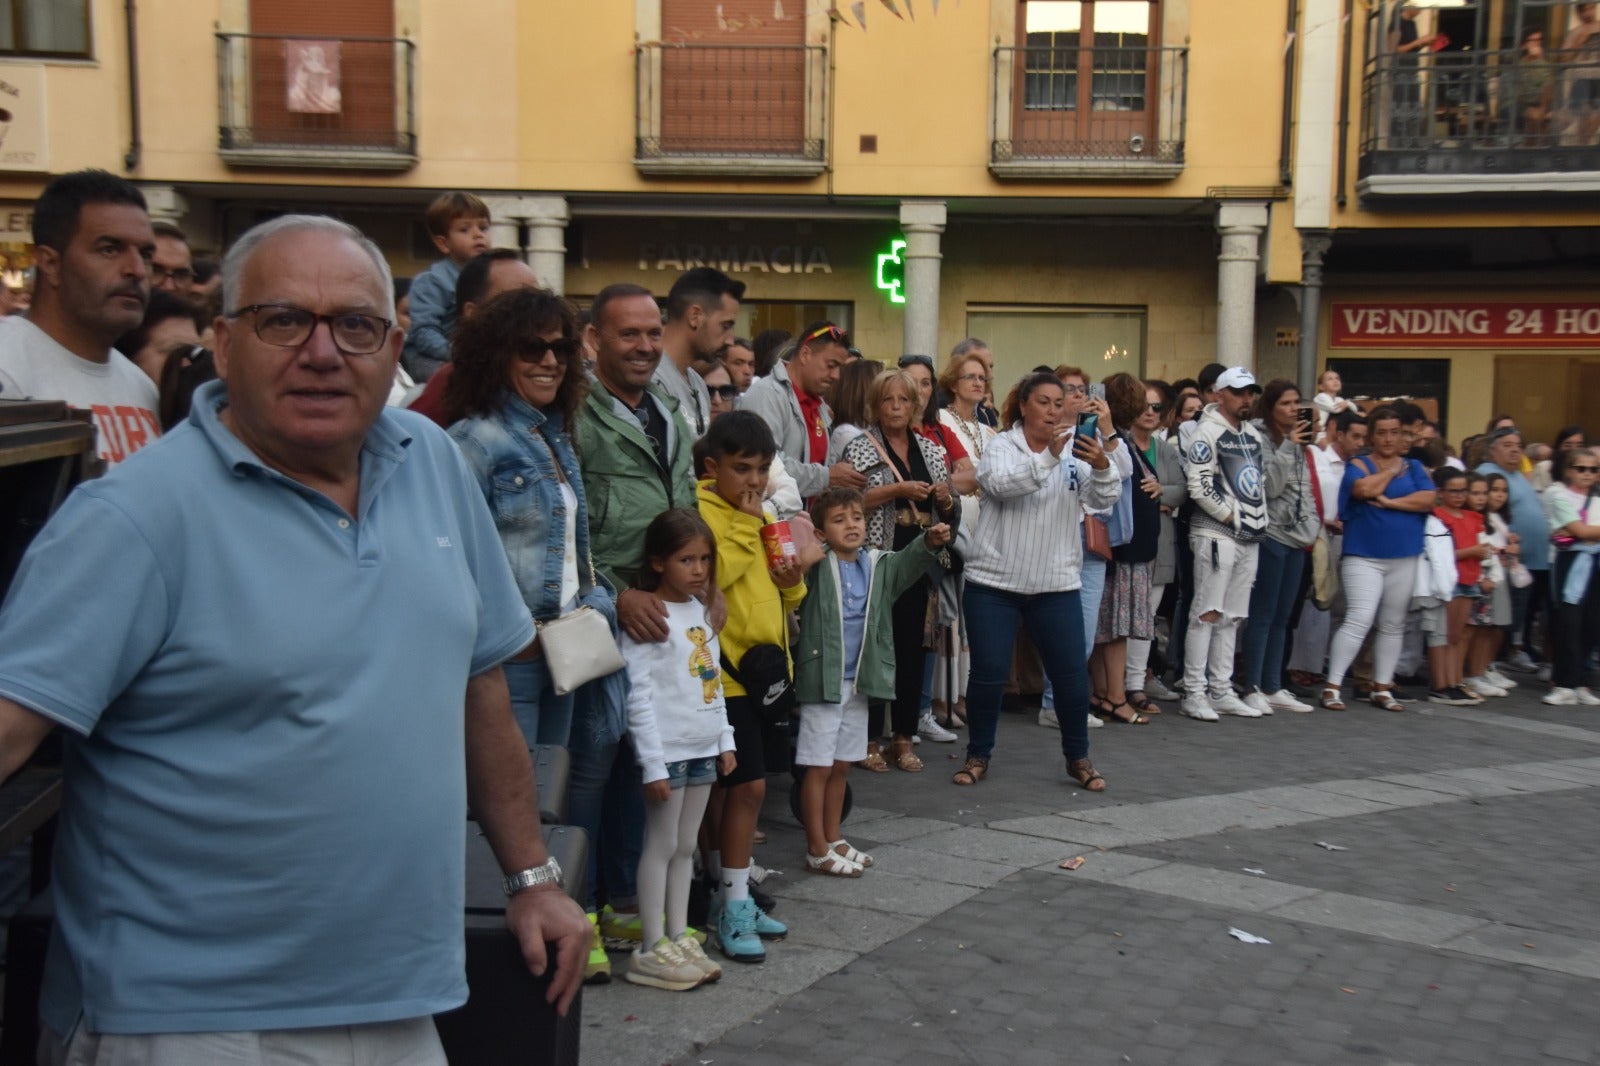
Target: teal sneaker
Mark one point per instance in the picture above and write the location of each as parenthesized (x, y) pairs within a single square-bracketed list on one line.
[(768, 927), (736, 931)]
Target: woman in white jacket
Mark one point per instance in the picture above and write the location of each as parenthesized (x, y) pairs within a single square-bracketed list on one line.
[(1024, 566)]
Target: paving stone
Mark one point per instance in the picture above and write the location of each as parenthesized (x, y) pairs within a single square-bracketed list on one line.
[(938, 864), (879, 891), (1311, 800), (1395, 921), (895, 830), (1550, 951), (1009, 849), (1076, 831)]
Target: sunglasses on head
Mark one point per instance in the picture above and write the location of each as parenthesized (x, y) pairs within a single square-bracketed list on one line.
[(832, 332), (916, 360), (564, 348)]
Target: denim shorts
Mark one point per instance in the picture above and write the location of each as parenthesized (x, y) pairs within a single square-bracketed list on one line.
[(1468, 592), (691, 772)]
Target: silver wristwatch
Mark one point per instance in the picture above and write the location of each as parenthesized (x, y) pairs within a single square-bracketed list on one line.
[(532, 877)]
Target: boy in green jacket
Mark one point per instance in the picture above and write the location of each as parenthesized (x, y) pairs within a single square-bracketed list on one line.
[(845, 656)]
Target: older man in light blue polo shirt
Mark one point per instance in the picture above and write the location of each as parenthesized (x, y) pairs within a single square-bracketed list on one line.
[(275, 641)]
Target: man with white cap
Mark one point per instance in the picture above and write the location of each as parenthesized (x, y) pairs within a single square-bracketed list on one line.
[(1230, 519)]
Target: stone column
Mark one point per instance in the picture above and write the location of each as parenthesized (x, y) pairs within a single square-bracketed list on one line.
[(1241, 226), (923, 222), (547, 245), (1314, 245)]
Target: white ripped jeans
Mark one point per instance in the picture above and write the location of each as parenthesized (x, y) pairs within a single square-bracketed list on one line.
[(1373, 589)]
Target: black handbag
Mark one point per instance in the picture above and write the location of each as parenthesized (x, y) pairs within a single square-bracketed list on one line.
[(764, 674)]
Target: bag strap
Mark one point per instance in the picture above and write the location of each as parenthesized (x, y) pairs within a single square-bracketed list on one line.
[(555, 460), (894, 471), (1316, 485)]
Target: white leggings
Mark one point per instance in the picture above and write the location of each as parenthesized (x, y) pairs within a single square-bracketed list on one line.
[(666, 863), (1373, 588), (1139, 650)]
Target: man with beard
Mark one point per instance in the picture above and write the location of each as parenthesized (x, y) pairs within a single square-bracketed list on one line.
[(702, 307), (94, 246)]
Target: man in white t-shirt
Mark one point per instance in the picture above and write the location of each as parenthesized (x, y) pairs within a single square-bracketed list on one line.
[(94, 244)]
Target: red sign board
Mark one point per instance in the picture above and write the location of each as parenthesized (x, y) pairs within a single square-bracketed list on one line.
[(1466, 324)]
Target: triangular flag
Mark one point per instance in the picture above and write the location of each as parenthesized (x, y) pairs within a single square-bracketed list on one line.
[(890, 5), (859, 10), (777, 9), (935, 7), (722, 23), (910, 13)]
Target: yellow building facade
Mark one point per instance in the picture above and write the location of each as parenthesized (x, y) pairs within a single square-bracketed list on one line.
[(1118, 184)]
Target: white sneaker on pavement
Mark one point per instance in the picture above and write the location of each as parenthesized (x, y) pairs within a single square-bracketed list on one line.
[(1228, 703), (927, 727), (1499, 680), (1158, 691), (1520, 662), (1048, 719), (1095, 723), (1481, 687), (1585, 697), (1284, 700), (1199, 708), (1561, 697), (1257, 701)]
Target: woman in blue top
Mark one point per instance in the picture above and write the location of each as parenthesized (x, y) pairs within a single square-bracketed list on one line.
[(1384, 503), (511, 396)]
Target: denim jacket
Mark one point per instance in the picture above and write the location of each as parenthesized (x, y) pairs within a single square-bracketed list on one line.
[(516, 471)]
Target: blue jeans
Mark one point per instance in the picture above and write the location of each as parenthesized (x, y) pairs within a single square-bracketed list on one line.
[(1272, 603), (1055, 624), (607, 803), (1090, 593), (545, 718)]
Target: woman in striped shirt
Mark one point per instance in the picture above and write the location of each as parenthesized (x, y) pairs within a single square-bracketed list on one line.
[(1024, 566)]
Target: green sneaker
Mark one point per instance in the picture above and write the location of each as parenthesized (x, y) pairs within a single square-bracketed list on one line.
[(597, 971), (623, 931)]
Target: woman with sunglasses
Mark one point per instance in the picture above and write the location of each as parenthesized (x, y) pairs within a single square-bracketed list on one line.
[(1573, 510), (719, 385), (515, 386)]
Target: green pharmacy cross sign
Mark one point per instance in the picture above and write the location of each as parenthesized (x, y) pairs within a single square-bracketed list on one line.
[(892, 271)]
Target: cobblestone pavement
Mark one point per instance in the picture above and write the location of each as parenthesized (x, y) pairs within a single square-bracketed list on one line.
[(1458, 924)]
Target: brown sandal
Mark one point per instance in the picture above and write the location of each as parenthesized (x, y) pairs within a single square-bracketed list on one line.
[(904, 758), (1134, 717), (1142, 703), (874, 760), (971, 772), (1088, 778)]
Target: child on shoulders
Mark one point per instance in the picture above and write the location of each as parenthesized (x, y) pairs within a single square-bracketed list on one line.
[(458, 222)]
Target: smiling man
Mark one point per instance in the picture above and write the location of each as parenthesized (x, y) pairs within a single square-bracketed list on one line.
[(269, 763), (94, 245)]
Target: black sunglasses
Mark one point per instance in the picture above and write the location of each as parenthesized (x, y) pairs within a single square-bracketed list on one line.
[(724, 392), (564, 348), (1584, 469), (1157, 407)]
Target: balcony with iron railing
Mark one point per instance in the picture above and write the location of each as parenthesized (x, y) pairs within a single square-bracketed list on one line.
[(336, 102), (748, 109), (1454, 124), (1089, 112)]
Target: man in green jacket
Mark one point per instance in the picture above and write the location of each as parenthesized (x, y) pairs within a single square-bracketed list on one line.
[(846, 656)]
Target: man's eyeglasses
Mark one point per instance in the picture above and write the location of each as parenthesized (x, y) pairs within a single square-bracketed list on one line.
[(563, 348), (833, 333), (725, 393), (159, 273), (289, 327)]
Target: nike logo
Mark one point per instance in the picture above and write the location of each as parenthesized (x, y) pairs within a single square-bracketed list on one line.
[(775, 693)]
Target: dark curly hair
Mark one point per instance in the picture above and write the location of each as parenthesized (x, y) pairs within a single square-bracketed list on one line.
[(487, 345)]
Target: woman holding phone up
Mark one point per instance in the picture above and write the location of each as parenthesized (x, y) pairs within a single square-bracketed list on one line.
[(1024, 566), (1293, 520)]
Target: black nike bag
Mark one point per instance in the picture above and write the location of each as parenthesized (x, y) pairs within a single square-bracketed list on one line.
[(764, 673)]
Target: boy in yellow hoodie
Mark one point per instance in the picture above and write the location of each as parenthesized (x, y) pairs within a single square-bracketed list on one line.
[(737, 454)]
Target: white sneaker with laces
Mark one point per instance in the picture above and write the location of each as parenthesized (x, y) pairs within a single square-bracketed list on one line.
[(1094, 723), (1520, 662), (928, 727), (1498, 680), (1156, 690), (1198, 708), (1228, 703), (1481, 687), (1284, 700), (1561, 697), (1585, 697), (1257, 701)]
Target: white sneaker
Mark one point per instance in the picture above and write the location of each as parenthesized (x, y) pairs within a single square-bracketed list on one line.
[(1520, 662), (1197, 707), (1048, 719), (1257, 701), (1284, 700), (1585, 697), (1498, 680), (1561, 697), (1228, 703), (1543, 672), (1158, 691), (1481, 687), (1095, 723), (927, 727)]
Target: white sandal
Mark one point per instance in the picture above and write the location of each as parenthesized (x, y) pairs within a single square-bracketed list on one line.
[(833, 864), (843, 848), (1331, 699)]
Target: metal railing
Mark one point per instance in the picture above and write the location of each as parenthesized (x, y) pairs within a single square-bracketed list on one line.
[(1498, 101), (331, 97), (732, 102), (1094, 104)]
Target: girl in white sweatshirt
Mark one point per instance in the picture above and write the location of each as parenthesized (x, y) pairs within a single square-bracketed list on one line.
[(681, 734)]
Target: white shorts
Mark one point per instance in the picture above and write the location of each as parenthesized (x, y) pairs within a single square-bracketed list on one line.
[(833, 732), (412, 1042), (1224, 572)]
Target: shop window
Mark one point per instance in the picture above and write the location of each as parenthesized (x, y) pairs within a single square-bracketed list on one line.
[(758, 316), (1424, 381), (1101, 340), (45, 28)]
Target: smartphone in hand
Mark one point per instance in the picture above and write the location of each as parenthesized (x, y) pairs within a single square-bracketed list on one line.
[(1088, 425), (1097, 391)]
